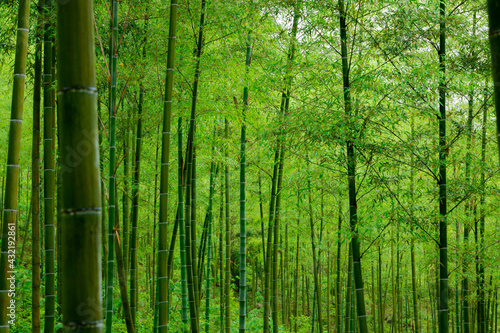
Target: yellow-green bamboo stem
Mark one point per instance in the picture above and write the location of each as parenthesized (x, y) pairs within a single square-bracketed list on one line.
[(7, 257)]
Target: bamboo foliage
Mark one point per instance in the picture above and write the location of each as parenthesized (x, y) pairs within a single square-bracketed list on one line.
[(80, 199), (12, 179)]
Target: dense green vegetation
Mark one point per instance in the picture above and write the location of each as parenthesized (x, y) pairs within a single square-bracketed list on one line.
[(232, 166)]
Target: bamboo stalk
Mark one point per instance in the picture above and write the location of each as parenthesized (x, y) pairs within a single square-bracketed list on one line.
[(48, 175), (112, 165), (35, 179), (209, 240), (80, 198), (243, 219), (182, 236)]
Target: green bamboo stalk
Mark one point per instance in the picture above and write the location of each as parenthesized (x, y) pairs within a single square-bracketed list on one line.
[(122, 282), (276, 243), (268, 255), (443, 152), (412, 226), (243, 219), (209, 240), (191, 181), (227, 279), (494, 34), (379, 289), (135, 213), (125, 198), (182, 235), (351, 166), (48, 175), (80, 196), (188, 240), (35, 179), (221, 261), (317, 286), (297, 246), (480, 230), (170, 263), (338, 282), (194, 265), (112, 166), (154, 287), (468, 210), (349, 314)]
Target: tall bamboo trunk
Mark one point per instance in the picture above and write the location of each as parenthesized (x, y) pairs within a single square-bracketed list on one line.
[(182, 233), (125, 197), (481, 327), (317, 286), (135, 213), (412, 243), (35, 180), (209, 240), (193, 279), (227, 278), (112, 165), (122, 281), (443, 152), (80, 196), (494, 25), (243, 219), (276, 244), (163, 274), (188, 240), (268, 256), (48, 175), (468, 210), (338, 282), (351, 171), (297, 246)]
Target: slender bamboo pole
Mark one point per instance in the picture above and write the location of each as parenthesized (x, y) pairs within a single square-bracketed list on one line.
[(35, 179), (163, 253), (494, 36), (182, 235), (296, 300), (480, 232), (351, 166), (268, 255), (443, 152), (48, 175), (122, 281), (125, 198), (243, 219), (338, 288), (227, 278), (112, 165), (209, 240), (80, 196), (134, 265)]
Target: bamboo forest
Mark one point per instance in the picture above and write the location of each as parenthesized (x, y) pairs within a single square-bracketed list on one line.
[(250, 166)]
